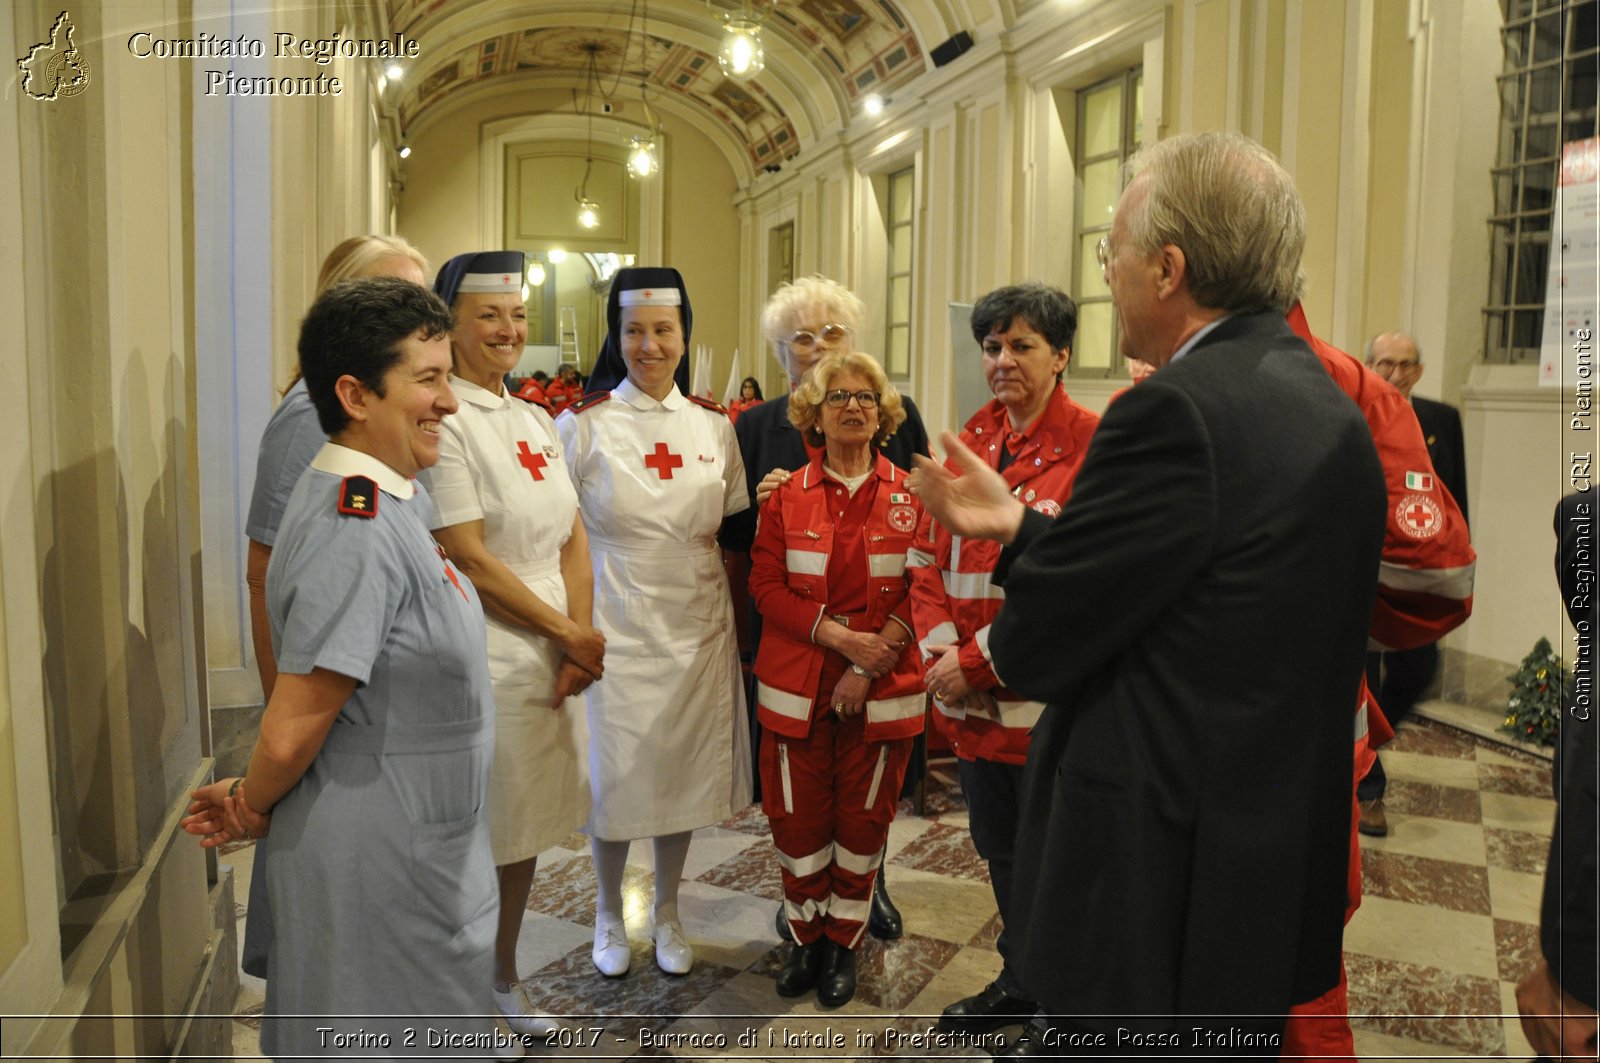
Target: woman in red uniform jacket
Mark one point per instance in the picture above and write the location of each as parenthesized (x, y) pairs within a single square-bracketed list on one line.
[(1037, 437), (839, 686)]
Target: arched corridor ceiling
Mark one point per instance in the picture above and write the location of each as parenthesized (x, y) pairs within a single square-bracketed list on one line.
[(822, 57)]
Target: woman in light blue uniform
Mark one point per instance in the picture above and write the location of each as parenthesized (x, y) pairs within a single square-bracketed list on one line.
[(372, 768), (291, 439)]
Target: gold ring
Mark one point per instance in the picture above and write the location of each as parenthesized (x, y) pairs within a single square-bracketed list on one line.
[(938, 695)]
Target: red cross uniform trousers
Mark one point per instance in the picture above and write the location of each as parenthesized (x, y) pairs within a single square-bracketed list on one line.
[(830, 784)]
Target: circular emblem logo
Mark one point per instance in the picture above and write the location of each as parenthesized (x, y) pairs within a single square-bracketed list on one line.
[(68, 73), (1048, 506), (1419, 516), (902, 518)]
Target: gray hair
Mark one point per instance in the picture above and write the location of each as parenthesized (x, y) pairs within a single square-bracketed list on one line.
[(811, 300), (1415, 346), (1233, 211)]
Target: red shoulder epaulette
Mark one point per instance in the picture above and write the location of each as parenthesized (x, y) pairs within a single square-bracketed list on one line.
[(543, 405), (592, 399), (358, 497), (709, 404)]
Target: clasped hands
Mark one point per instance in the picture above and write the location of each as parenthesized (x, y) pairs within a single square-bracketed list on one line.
[(217, 818), (583, 661), (870, 655)]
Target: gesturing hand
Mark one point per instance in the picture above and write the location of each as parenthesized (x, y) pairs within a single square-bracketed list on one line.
[(974, 501)]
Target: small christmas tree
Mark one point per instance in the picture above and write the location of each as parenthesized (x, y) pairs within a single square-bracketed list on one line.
[(1533, 711)]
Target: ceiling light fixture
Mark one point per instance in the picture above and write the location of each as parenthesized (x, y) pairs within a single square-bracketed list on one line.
[(588, 209), (643, 159), (556, 255), (536, 273), (742, 55), (874, 104)]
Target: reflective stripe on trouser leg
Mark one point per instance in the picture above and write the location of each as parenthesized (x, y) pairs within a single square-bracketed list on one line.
[(799, 810), (861, 826)]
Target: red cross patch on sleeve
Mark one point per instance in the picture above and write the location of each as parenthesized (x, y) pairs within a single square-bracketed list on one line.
[(358, 497)]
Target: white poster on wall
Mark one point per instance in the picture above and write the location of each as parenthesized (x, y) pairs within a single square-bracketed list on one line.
[(1572, 291)]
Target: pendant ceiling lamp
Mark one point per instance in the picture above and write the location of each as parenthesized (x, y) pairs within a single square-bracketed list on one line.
[(588, 209), (741, 55)]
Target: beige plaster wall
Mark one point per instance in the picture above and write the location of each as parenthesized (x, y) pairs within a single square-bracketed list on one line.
[(440, 207)]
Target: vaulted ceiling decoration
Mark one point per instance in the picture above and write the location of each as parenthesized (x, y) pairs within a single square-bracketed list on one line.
[(859, 46), (753, 116), (867, 45)]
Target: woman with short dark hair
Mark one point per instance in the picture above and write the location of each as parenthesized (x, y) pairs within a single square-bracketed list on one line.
[(369, 779)]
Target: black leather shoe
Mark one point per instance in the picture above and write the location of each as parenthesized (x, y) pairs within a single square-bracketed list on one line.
[(782, 924), (837, 982), (1030, 1044), (985, 1011), (884, 922), (800, 970)]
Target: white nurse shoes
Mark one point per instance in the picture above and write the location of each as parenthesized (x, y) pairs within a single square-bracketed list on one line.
[(673, 954), (521, 1017), (610, 946)]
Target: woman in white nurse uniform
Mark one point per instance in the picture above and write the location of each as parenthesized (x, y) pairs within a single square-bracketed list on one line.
[(656, 472), (508, 517)]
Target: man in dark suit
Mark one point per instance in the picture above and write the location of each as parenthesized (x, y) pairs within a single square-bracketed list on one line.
[(1398, 678), (1196, 620)]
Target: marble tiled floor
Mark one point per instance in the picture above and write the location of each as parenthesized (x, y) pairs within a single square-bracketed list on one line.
[(1448, 926)]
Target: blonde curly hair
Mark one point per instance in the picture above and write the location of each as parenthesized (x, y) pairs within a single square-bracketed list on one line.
[(805, 401)]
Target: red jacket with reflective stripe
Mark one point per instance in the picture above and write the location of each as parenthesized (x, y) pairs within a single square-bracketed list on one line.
[(952, 598), (789, 585), (1425, 579)]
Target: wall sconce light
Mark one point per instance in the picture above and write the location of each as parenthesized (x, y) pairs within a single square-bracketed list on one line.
[(405, 150)]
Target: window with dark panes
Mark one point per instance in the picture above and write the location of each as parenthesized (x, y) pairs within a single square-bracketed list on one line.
[(897, 361), (1110, 124), (1547, 98)]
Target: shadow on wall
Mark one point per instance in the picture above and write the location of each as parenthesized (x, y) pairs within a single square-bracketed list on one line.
[(123, 739)]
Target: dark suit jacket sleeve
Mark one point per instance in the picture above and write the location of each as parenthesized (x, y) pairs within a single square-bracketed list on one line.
[(910, 438), (1139, 525), (1441, 428), (1569, 918), (738, 532)]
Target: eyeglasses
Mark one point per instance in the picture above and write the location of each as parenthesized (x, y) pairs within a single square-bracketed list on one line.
[(839, 398), (805, 339), (1386, 366)]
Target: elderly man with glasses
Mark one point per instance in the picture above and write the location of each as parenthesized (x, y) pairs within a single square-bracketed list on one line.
[(1400, 677)]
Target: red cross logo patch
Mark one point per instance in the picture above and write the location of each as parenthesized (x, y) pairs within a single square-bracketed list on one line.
[(663, 461), (1419, 516)]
